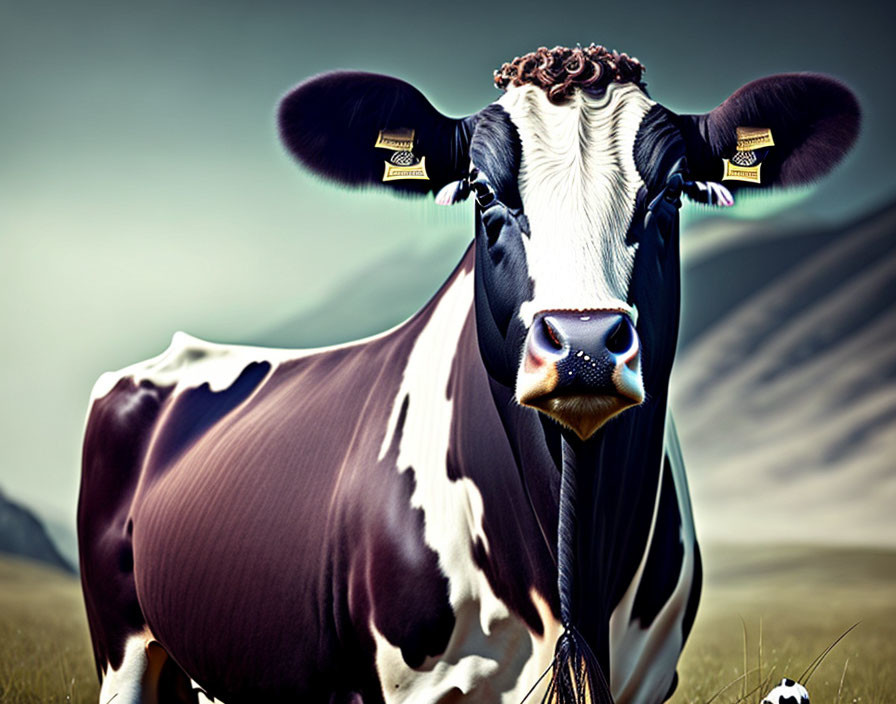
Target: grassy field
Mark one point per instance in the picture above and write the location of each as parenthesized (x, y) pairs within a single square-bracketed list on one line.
[(45, 654), (802, 597)]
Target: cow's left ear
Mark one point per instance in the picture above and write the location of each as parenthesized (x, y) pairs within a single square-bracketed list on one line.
[(784, 130), (365, 129)]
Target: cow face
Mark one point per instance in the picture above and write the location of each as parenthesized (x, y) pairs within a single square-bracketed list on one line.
[(576, 202), (557, 190)]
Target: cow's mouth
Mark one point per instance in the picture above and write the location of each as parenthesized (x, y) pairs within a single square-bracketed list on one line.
[(584, 414), (581, 368)]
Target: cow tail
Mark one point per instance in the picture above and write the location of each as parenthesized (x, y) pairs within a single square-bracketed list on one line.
[(576, 676)]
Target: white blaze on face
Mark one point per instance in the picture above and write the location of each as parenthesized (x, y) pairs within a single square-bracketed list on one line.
[(578, 183)]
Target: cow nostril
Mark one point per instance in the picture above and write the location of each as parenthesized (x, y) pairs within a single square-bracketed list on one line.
[(620, 339), (551, 335)]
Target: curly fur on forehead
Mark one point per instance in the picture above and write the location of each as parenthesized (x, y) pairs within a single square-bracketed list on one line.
[(559, 71)]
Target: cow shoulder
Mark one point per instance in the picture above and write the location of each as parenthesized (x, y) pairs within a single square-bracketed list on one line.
[(197, 382)]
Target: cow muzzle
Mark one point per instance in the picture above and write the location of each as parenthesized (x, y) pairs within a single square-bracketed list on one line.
[(581, 367)]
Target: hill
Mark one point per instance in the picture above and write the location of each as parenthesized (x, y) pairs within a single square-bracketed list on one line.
[(24, 535), (786, 403)]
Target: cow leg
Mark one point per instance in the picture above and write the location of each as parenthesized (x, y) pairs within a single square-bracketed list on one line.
[(146, 676), (137, 678)]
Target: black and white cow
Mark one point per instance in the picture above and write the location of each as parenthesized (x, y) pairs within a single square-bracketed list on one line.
[(377, 521), (787, 692)]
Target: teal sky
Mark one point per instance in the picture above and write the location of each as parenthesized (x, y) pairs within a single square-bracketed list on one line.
[(142, 188)]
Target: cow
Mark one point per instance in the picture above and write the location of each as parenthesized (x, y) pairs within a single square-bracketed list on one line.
[(787, 692), (486, 503)]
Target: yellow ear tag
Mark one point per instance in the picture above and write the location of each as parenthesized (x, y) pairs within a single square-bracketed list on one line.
[(401, 140), (395, 172), (753, 138), (741, 173), (745, 164), (402, 164)]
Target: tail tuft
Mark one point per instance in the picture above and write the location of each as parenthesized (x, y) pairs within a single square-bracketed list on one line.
[(576, 677)]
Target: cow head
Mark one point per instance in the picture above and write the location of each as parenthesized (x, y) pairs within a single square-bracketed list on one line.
[(577, 177)]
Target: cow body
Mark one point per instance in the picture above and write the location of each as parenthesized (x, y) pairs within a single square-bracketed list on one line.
[(386, 521), (404, 563)]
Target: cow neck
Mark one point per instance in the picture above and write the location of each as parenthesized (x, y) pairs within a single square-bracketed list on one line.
[(617, 479), (576, 675), (617, 475)]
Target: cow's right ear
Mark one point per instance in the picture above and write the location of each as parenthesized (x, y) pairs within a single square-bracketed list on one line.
[(784, 130), (365, 129)]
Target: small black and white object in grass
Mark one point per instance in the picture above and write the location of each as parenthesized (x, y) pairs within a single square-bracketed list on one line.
[(788, 692)]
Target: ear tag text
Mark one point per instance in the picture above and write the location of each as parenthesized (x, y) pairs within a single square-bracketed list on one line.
[(415, 171), (753, 144), (401, 140), (402, 164)]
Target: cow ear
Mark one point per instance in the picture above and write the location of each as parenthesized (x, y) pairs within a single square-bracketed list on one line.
[(364, 129), (812, 121)]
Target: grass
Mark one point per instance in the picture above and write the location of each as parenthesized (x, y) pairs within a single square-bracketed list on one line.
[(769, 611), (45, 654)]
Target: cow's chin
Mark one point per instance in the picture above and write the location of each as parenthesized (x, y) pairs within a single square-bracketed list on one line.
[(583, 414)]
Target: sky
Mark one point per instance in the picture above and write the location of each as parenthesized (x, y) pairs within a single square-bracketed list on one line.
[(143, 191)]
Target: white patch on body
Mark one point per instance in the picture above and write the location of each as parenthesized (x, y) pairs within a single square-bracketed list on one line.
[(578, 181), (136, 679), (643, 661), (125, 685), (491, 655), (190, 362), (202, 697)]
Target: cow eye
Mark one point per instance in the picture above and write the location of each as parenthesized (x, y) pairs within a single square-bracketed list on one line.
[(493, 222), (671, 193), (485, 196)]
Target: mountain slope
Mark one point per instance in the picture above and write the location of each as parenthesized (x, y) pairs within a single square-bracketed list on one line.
[(22, 534), (787, 404), (376, 298)]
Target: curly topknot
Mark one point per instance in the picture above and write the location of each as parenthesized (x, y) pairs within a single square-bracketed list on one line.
[(560, 70)]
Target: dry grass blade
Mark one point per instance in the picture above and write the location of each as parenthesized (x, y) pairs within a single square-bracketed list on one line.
[(743, 684), (767, 682), (732, 682), (759, 654), (842, 678), (760, 687), (809, 671), (60, 662), (749, 693)]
